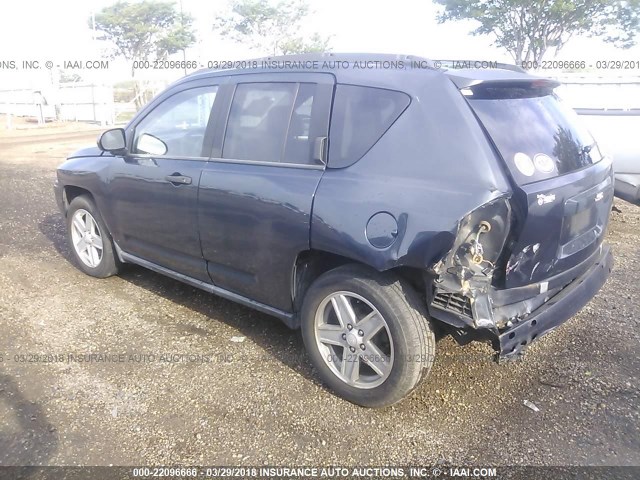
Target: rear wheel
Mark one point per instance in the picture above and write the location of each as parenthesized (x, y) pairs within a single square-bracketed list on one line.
[(367, 334), (89, 239)]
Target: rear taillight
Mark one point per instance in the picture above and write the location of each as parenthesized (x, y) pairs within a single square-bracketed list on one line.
[(481, 237), (468, 269)]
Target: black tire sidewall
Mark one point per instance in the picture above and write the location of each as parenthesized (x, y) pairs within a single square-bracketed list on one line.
[(413, 354), (108, 265)]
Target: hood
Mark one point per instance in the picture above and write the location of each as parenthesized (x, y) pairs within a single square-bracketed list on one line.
[(88, 151)]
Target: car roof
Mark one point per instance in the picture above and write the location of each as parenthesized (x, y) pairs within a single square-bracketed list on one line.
[(374, 69)]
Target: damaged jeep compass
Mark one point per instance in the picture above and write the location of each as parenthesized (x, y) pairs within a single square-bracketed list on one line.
[(366, 206)]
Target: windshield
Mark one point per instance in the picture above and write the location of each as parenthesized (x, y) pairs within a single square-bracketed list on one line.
[(537, 135)]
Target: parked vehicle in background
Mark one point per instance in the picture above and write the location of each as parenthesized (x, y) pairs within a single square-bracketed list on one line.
[(366, 206), (617, 131), (609, 105)]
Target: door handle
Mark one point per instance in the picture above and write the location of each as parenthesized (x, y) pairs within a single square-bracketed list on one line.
[(177, 179)]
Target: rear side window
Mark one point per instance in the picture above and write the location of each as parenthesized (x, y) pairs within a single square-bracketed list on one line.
[(538, 136), (361, 115)]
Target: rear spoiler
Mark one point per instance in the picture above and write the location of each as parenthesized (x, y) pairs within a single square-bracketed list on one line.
[(468, 78), (614, 112)]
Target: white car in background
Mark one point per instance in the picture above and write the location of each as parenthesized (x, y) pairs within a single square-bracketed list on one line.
[(609, 104), (618, 134)]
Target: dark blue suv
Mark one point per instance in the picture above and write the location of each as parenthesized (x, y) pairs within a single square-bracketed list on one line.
[(367, 200)]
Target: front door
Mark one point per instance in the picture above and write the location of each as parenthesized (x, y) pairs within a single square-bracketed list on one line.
[(154, 189)]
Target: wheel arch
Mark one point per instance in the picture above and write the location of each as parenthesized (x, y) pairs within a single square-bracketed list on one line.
[(312, 263), (70, 192)]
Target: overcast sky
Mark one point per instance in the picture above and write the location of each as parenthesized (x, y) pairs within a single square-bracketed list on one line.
[(58, 30)]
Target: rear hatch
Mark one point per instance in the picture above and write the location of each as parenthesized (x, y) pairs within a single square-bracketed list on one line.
[(563, 186)]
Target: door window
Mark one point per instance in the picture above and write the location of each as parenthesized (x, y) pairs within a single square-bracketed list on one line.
[(299, 142), (180, 122), (271, 122)]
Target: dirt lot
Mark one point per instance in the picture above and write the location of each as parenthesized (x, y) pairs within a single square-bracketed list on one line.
[(193, 394)]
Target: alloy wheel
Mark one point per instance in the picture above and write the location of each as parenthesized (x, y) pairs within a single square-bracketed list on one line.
[(86, 238), (354, 340)]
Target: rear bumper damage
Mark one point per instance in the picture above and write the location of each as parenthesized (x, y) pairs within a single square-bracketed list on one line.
[(562, 306), (515, 317)]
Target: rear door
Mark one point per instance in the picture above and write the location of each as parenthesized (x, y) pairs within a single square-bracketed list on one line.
[(563, 184), (256, 192)]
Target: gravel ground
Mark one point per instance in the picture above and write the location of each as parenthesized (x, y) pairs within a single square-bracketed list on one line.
[(206, 381)]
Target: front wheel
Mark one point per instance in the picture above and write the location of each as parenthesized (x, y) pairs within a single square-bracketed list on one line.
[(89, 239), (367, 334)]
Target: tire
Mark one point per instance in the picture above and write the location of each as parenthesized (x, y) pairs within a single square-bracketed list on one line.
[(404, 338), (89, 257)]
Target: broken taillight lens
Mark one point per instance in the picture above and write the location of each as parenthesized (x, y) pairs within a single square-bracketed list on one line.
[(480, 240), (469, 267)]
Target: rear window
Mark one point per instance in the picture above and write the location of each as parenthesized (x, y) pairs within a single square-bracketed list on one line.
[(361, 115), (538, 136)]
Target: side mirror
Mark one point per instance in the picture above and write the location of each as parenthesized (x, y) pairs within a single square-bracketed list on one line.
[(113, 141), (151, 145)]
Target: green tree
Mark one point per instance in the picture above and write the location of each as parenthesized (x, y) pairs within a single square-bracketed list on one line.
[(144, 31), (528, 29), (271, 27)]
